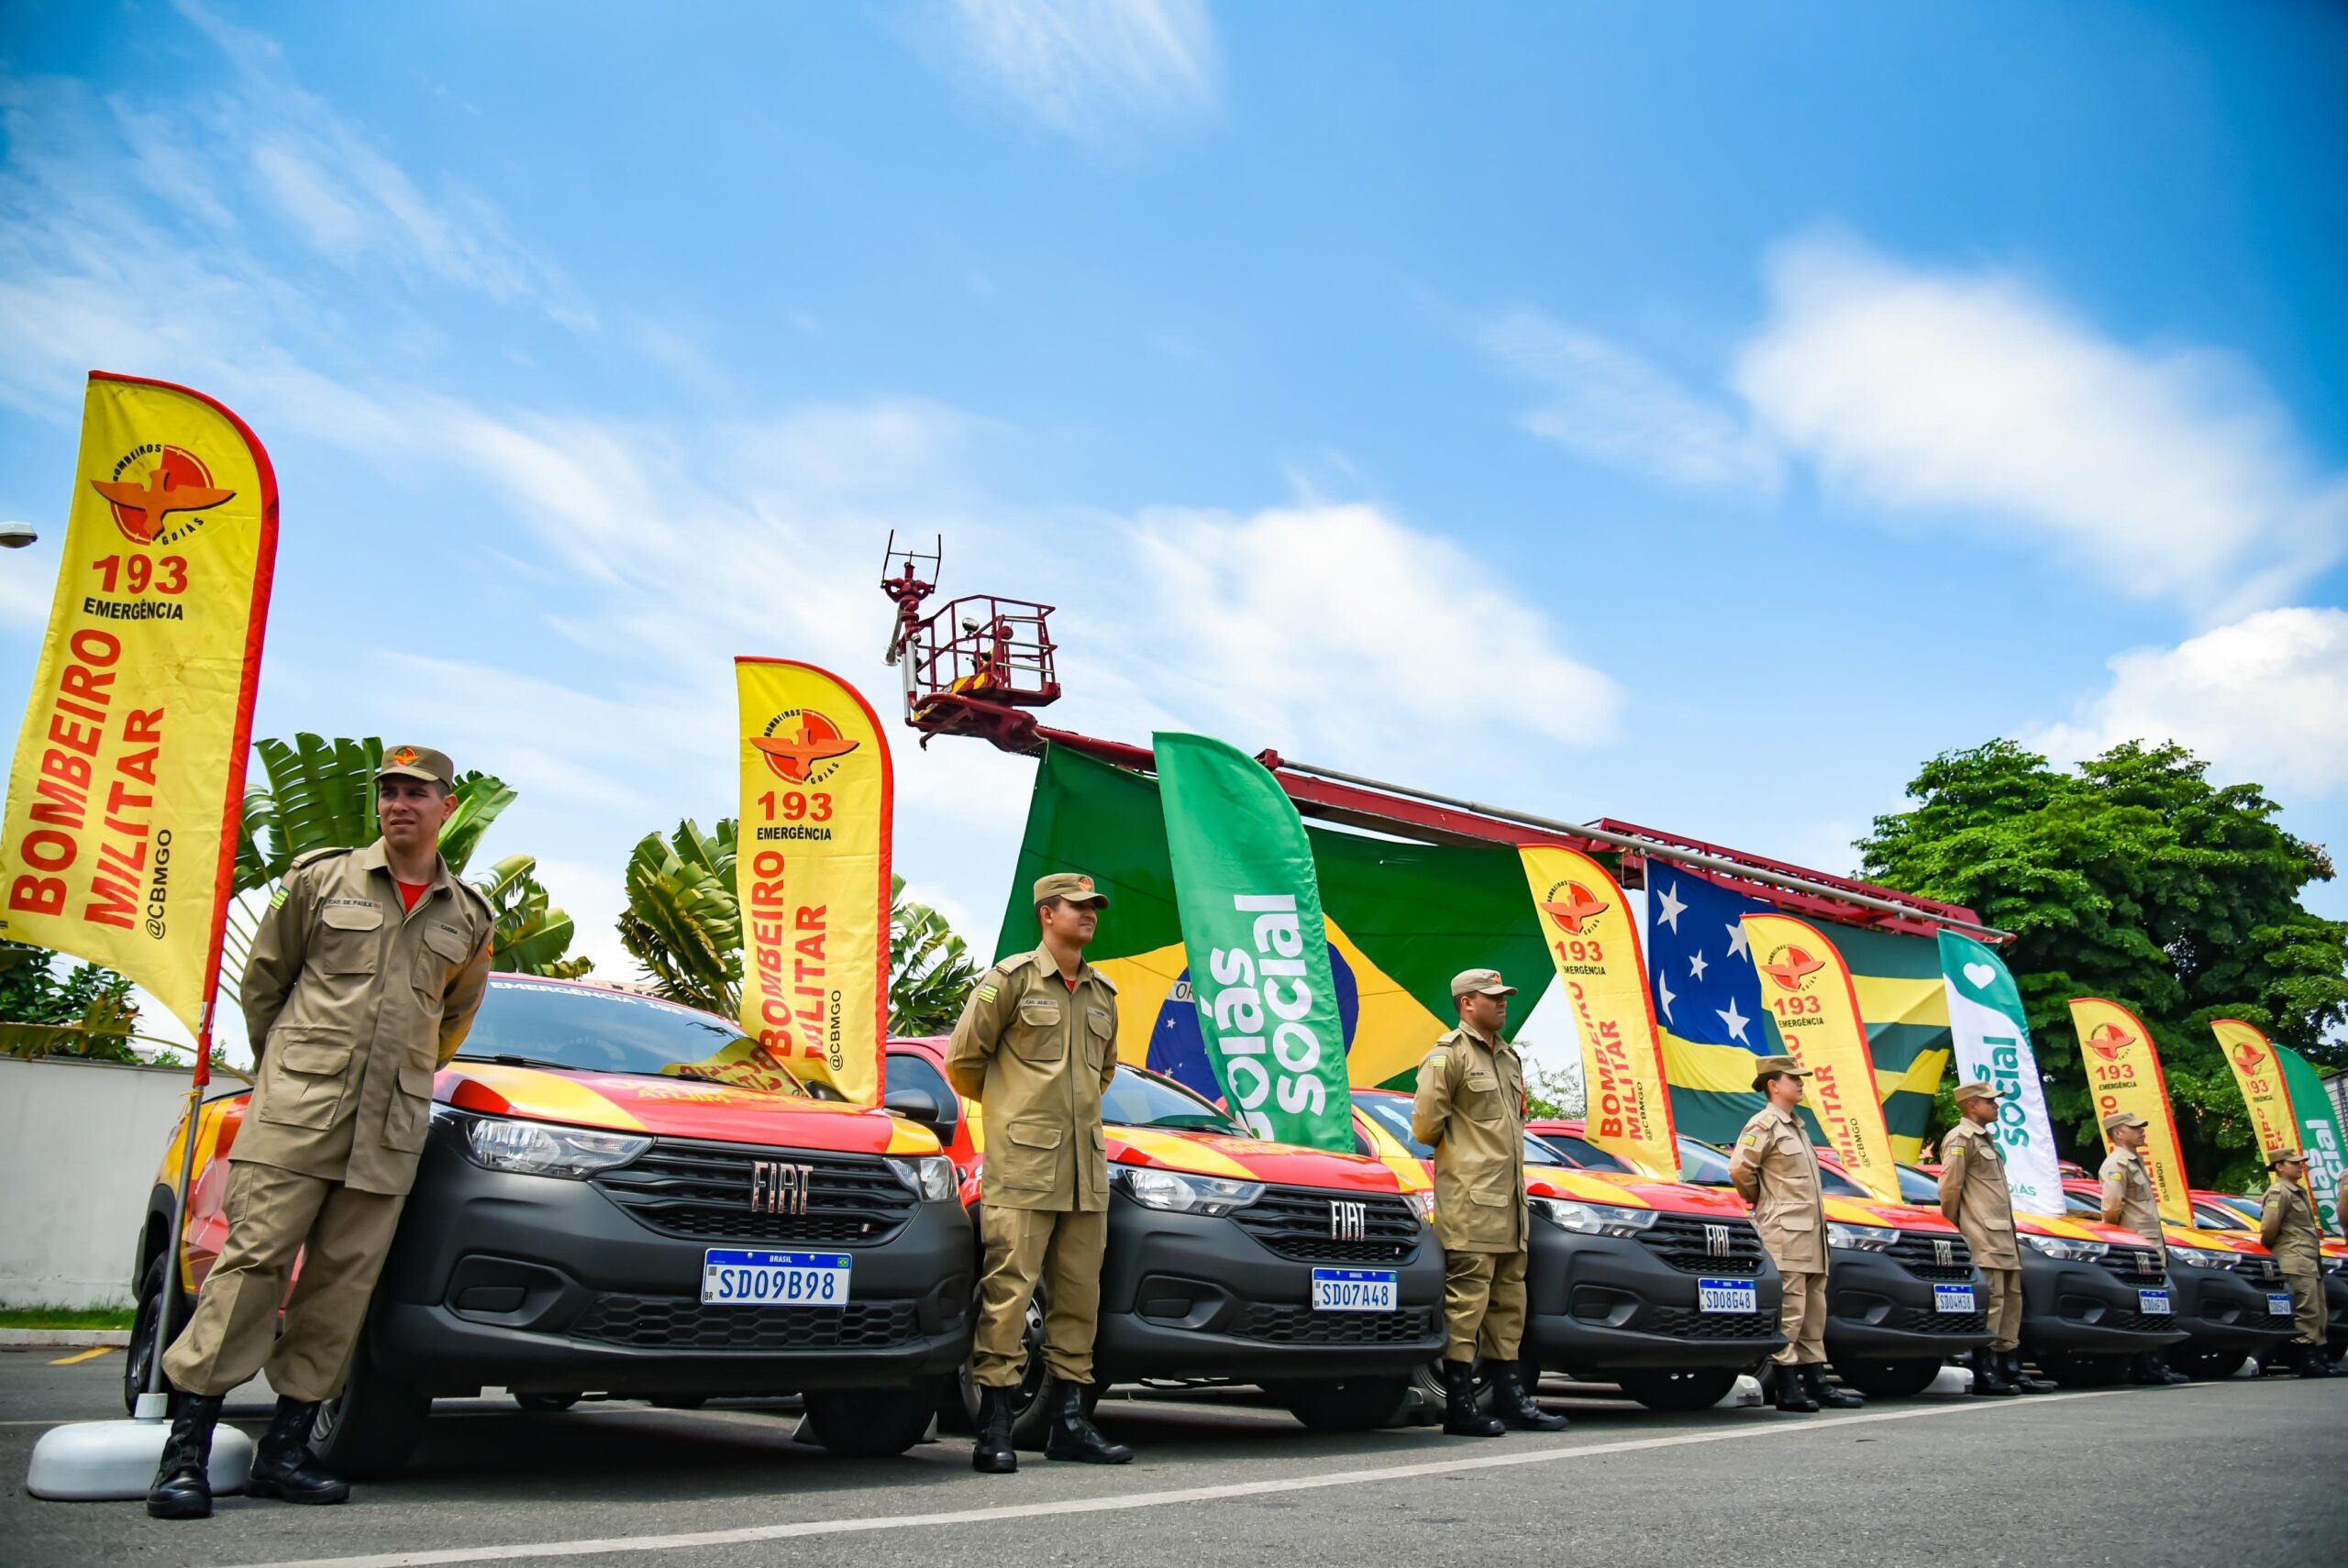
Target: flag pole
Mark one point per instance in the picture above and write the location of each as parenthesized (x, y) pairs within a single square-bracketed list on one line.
[(172, 1253)]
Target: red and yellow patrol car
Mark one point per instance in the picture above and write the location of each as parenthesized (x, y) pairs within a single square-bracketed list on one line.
[(2229, 1298), (622, 1195), (2236, 1212), (1310, 1274)]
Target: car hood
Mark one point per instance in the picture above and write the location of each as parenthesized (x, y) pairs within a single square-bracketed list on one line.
[(1898, 1216), (2076, 1228), (1668, 1196), (1248, 1159), (676, 1108)]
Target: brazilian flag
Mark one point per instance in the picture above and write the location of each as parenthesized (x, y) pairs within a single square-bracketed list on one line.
[(1403, 920)]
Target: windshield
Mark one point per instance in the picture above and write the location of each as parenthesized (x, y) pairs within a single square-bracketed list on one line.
[(1138, 1099), (618, 1032), (1584, 1154), (2218, 1216), (1393, 1113), (2080, 1203), (1919, 1186), (1702, 1164)]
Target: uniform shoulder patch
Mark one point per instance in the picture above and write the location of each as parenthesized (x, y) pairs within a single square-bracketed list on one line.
[(1015, 962), (989, 991), (309, 857), (1953, 1151)]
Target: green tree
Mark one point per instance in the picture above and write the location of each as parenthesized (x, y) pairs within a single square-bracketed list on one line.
[(2132, 877), (87, 1012), (683, 925)]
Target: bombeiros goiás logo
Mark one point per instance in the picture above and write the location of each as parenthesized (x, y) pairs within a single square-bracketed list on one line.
[(2249, 1057), (155, 483), (1570, 904), (2109, 1039), (801, 745), (1793, 968)]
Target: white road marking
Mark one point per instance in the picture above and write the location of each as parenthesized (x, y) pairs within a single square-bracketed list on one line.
[(750, 1534)]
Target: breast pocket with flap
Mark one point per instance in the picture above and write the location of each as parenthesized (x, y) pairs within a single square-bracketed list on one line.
[(347, 941)]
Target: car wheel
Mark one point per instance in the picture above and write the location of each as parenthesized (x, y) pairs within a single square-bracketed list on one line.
[(871, 1423), (369, 1430), (545, 1404), (2072, 1370), (2209, 1366), (145, 1334), (1901, 1380), (1679, 1388), (1343, 1404)]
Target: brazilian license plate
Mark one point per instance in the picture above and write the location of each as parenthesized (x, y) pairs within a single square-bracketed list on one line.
[(1727, 1296), (2154, 1303), (734, 1278), (1953, 1299), (1356, 1289), (2278, 1306)]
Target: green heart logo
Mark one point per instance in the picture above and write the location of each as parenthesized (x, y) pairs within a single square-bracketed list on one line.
[(1980, 974)]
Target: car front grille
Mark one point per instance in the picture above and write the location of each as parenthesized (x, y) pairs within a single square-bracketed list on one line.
[(680, 1322), (1304, 1224), (1725, 1246), (1917, 1320), (705, 1191), (2137, 1265), (1303, 1326), (1686, 1323), (2135, 1322), (1919, 1254), (2258, 1271)]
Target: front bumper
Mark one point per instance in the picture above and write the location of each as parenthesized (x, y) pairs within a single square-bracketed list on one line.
[(1188, 1296), (1600, 1304), (2220, 1310), (2084, 1308), (1878, 1308), (544, 1284)]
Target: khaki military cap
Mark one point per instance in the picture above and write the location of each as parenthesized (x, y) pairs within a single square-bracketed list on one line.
[(1977, 1091), (1485, 982), (2280, 1156), (2119, 1119), (1772, 1067), (417, 762), (1072, 887)]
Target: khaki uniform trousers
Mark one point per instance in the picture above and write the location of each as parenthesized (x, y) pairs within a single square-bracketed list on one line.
[(1062, 1247), (1483, 1305), (2307, 1306), (2005, 1308), (341, 1236), (1801, 1317)]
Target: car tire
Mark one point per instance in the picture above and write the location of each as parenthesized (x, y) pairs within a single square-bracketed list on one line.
[(1343, 1404), (2071, 1370), (545, 1404), (1679, 1388), (144, 1337), (1901, 1380), (367, 1431), (871, 1423)]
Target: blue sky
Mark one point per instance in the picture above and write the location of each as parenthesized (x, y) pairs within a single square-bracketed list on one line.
[(1481, 396)]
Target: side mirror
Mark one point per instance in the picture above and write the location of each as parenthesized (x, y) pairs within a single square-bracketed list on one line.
[(913, 1105)]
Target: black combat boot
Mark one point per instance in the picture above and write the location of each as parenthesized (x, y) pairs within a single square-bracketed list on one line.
[(2143, 1373), (1513, 1399), (1813, 1377), (1462, 1416), (283, 1467), (2022, 1381), (993, 1454), (2311, 1361), (182, 1488), (1072, 1434), (1989, 1376), (1786, 1390)]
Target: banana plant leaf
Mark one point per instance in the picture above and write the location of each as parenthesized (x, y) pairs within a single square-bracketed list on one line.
[(532, 936), (681, 922)]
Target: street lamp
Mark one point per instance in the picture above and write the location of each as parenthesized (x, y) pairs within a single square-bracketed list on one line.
[(16, 535)]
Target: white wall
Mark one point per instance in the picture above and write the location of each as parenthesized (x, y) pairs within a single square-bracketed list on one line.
[(80, 1142)]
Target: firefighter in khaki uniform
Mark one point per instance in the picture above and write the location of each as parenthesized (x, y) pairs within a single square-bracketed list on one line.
[(2288, 1224), (1974, 1198), (1775, 1170), (2129, 1201), (362, 982), (1036, 1046), (1470, 1109)]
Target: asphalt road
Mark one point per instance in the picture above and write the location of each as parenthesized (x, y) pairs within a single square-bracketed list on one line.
[(2238, 1472)]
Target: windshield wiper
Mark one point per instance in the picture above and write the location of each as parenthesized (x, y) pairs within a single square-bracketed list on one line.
[(508, 1060)]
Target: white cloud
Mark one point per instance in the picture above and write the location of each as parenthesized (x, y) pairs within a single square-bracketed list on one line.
[(1609, 405), (2169, 473), (1089, 69), (2264, 699)]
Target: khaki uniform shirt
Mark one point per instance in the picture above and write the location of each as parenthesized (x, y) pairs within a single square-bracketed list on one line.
[(2286, 1223), (1037, 1055), (2127, 1187), (352, 1003), (1470, 1108), (1776, 1171), (1974, 1197)]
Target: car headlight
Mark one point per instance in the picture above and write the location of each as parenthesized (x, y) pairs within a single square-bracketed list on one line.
[(929, 1177), (2067, 1250), (1864, 1238), (1592, 1219), (1177, 1192), (1422, 1204), (536, 1148), (2199, 1257)]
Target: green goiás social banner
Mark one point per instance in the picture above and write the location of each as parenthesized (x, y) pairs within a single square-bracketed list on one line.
[(1258, 946), (2320, 1138)]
